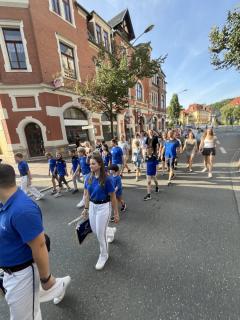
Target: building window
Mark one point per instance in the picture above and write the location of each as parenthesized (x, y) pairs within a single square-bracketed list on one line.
[(56, 7), (68, 62), (139, 93), (99, 34), (67, 10), (15, 49), (106, 40)]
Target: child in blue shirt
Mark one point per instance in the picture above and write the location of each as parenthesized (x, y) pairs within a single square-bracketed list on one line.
[(52, 170), (151, 164), (84, 167), (117, 183), (61, 171), (75, 163)]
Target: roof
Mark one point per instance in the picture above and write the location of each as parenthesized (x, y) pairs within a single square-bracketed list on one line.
[(117, 19), (82, 8), (235, 101)]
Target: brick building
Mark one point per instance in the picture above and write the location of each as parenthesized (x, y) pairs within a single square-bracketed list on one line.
[(43, 40)]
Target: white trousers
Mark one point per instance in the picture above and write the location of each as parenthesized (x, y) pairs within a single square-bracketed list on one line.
[(29, 188), (99, 215), (19, 296)]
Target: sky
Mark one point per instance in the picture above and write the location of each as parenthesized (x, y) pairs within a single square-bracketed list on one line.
[(182, 31)]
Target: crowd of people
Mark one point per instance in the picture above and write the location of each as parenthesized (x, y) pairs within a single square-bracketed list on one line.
[(100, 168)]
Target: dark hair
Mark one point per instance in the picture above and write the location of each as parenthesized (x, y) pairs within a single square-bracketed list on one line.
[(106, 147), (114, 167), (18, 155), (73, 151), (7, 176), (102, 177), (114, 141)]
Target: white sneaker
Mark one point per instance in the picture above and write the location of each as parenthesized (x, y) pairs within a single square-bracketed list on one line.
[(101, 263), (204, 170), (111, 234), (57, 195), (210, 175), (40, 197), (57, 291), (81, 204)]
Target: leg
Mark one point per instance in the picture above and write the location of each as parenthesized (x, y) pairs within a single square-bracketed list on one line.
[(102, 218), (92, 217), (74, 179), (24, 184), (54, 183), (210, 163), (149, 182), (155, 181), (20, 294)]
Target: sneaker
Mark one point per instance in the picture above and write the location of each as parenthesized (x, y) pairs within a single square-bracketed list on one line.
[(190, 170), (204, 170), (56, 291), (112, 219), (66, 282), (123, 208), (210, 175), (57, 195), (81, 204), (111, 234), (68, 190), (137, 179), (101, 263), (75, 191), (40, 197), (54, 191), (156, 189), (147, 197)]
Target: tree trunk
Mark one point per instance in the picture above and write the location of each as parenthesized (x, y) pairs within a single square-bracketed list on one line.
[(111, 120)]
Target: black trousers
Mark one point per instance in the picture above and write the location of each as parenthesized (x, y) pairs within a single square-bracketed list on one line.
[(61, 180)]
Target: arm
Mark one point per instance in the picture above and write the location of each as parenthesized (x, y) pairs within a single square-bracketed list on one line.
[(40, 256), (184, 147), (114, 206), (86, 208)]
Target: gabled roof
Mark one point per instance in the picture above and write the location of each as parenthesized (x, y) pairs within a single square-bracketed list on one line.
[(118, 20)]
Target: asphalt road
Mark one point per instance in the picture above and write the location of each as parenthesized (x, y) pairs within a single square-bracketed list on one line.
[(175, 257)]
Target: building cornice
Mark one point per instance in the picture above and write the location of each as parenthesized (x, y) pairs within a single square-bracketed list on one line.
[(14, 3)]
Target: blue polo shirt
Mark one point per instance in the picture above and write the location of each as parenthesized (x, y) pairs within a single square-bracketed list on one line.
[(96, 191), (85, 167), (171, 148), (117, 182), (117, 155), (152, 164), (23, 168), (61, 167), (75, 163), (106, 159), (52, 164), (20, 222)]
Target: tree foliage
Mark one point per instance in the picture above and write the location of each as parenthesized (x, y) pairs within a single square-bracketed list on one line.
[(231, 113), (225, 43), (174, 109), (116, 72)]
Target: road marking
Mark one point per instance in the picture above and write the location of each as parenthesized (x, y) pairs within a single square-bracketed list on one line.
[(218, 142), (222, 150)]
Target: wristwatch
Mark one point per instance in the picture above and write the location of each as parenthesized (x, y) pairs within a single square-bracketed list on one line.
[(45, 280)]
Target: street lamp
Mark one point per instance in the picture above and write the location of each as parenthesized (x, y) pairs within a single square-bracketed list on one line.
[(148, 29)]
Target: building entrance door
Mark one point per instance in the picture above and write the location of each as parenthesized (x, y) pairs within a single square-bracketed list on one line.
[(34, 138)]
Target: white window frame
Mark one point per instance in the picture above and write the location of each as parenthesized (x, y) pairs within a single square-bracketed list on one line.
[(24, 94), (61, 7), (139, 82), (13, 24), (76, 60)]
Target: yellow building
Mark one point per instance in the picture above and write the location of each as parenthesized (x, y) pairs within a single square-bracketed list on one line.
[(196, 114)]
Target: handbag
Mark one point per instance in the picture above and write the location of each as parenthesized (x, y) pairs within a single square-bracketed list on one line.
[(83, 228), (2, 290), (48, 242)]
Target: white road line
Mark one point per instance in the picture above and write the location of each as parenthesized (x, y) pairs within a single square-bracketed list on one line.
[(218, 142), (222, 150)]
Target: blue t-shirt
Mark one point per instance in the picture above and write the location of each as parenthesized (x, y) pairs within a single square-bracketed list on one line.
[(117, 182), (152, 163), (97, 192), (85, 167), (106, 159), (52, 164), (75, 163), (61, 167), (20, 222), (23, 168), (171, 148), (117, 155)]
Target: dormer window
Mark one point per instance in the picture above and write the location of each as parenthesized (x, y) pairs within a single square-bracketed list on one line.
[(99, 34)]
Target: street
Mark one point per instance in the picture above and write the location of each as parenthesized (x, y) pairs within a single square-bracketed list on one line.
[(174, 257)]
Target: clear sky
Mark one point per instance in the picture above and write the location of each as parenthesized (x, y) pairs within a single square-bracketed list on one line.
[(181, 30)]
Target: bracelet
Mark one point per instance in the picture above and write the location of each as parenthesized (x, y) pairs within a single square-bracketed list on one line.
[(86, 208), (45, 280)]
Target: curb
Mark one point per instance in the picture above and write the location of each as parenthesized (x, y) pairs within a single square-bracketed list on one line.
[(236, 188)]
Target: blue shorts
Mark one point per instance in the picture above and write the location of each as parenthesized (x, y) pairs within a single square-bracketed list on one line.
[(170, 162)]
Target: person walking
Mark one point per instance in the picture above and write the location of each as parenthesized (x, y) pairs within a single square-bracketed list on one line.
[(84, 167), (161, 154), (61, 171), (190, 147), (208, 149), (23, 252), (107, 157), (199, 137), (100, 195), (123, 144), (75, 177), (152, 141), (151, 163), (117, 155), (137, 158), (26, 177), (52, 171)]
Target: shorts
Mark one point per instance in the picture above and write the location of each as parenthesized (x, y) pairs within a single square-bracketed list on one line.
[(170, 162), (137, 163), (120, 166), (209, 152), (190, 154)]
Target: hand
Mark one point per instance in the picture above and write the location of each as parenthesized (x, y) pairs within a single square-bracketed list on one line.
[(49, 284), (66, 174), (116, 217), (85, 213)]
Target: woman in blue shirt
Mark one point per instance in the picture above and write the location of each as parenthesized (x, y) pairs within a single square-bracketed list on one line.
[(100, 194)]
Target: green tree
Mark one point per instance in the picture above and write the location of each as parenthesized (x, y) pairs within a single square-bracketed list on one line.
[(116, 72), (174, 109), (227, 113), (236, 113), (225, 48)]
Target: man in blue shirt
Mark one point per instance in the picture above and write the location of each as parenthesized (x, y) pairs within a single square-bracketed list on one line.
[(117, 155), (61, 171), (23, 252), (26, 177), (75, 163)]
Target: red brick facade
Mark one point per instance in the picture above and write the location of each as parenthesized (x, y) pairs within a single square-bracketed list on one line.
[(35, 118)]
